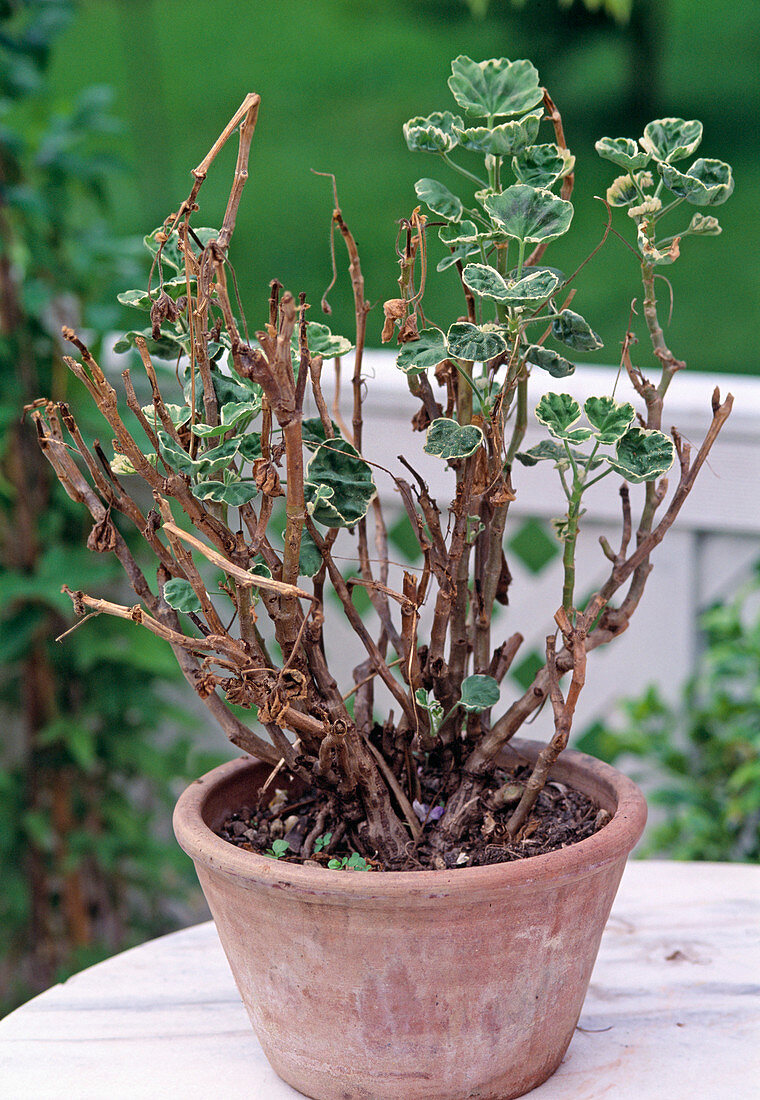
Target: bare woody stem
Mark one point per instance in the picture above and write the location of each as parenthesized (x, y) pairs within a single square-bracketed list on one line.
[(564, 711)]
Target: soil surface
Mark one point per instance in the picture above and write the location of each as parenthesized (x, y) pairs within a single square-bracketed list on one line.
[(312, 830)]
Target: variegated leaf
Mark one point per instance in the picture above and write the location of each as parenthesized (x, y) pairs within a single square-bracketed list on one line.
[(542, 165), (505, 140), (558, 412), (478, 343), (575, 332), (489, 89), (420, 355), (338, 485), (439, 199), (463, 232), (623, 152), (529, 213), (609, 419), (706, 183), (433, 134), (551, 361), (643, 455), (671, 139), (449, 440)]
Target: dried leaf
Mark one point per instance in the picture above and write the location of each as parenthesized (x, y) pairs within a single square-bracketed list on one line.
[(409, 330), (291, 684), (102, 538), (266, 477), (505, 579), (394, 309)]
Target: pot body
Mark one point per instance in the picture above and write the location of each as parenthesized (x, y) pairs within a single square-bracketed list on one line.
[(425, 985)]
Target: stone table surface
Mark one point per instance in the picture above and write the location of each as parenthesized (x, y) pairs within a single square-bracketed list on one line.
[(673, 1010)]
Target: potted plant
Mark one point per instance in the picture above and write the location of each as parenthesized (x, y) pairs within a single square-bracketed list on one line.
[(366, 871)]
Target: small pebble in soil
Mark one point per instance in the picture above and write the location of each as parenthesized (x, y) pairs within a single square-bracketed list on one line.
[(281, 826)]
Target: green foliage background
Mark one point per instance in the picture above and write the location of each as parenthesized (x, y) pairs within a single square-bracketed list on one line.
[(700, 759), (339, 78), (93, 751)]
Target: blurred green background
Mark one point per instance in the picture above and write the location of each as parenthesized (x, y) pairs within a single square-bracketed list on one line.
[(86, 777), (338, 79)]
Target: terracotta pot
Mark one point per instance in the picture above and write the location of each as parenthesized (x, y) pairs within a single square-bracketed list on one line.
[(425, 985)]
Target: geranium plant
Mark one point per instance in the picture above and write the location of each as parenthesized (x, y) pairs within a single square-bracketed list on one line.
[(245, 428)]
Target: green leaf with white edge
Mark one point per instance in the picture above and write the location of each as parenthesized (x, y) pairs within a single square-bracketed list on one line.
[(170, 345), (226, 389), (309, 557), (505, 140), (671, 139), (529, 213), (496, 87), (463, 232), (234, 494), (428, 702), (122, 467), (643, 454), (624, 152), (179, 594), (460, 254), (449, 440), (651, 253), (419, 355), (230, 414), (140, 299), (432, 134), (575, 332), (485, 193), (207, 463), (313, 432), (171, 255), (536, 284), (178, 414), (176, 457), (703, 225), (249, 446), (479, 692), (486, 282), (622, 191), (321, 341), (549, 360), (477, 343), (558, 412), (706, 183), (338, 484), (439, 199), (259, 568), (610, 419), (217, 458), (547, 450), (542, 165)]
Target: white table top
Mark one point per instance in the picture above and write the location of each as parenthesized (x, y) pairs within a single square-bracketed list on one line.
[(673, 1010)]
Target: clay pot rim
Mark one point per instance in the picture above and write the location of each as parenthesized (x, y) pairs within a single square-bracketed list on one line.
[(585, 857)]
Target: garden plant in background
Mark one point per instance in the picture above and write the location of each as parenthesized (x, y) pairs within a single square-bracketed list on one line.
[(81, 776), (249, 492), (706, 748)]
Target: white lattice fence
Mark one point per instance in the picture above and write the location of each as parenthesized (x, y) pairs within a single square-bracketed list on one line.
[(706, 555)]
